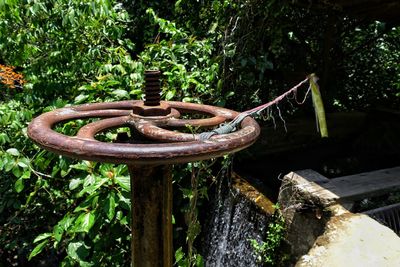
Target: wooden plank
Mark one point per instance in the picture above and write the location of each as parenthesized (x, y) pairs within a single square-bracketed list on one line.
[(312, 176), (365, 185), (344, 189)]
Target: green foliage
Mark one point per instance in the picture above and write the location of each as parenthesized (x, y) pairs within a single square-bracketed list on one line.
[(183, 260), (189, 67), (90, 214), (372, 67), (268, 251), (193, 195), (61, 43), (246, 35), (93, 205), (20, 183), (15, 164), (190, 70), (267, 46), (101, 208)]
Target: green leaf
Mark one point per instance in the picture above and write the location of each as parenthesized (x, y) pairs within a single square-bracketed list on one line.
[(4, 138), (318, 106), (170, 95), (124, 182), (124, 202), (84, 222), (78, 250), (81, 98), (23, 162), (26, 174), (13, 151), (19, 185), (41, 237), (199, 260), (38, 249), (136, 92), (9, 164), (91, 201), (81, 166), (58, 232), (66, 222), (107, 67), (187, 99), (119, 93), (109, 206), (179, 255), (16, 171), (89, 180), (91, 189), (74, 183)]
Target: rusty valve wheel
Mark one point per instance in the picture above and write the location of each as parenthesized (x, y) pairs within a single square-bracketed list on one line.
[(155, 144), (152, 122)]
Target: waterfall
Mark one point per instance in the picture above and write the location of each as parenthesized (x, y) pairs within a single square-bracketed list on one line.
[(231, 221)]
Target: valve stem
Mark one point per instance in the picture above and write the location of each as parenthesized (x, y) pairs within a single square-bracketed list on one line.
[(152, 89)]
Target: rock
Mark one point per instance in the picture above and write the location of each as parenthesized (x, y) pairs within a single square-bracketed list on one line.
[(304, 212), (354, 240), (320, 226)]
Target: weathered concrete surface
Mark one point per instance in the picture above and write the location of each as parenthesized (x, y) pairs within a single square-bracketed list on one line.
[(305, 213), (354, 240), (319, 224)]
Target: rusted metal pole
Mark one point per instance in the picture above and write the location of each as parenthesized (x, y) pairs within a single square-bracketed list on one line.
[(151, 196)]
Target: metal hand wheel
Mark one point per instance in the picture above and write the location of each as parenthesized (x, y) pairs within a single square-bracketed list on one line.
[(168, 147), (156, 144)]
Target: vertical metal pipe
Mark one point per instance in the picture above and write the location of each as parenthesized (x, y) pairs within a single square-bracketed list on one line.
[(151, 196)]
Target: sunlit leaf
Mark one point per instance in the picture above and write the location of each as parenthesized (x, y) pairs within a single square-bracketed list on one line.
[(124, 182), (78, 250), (85, 222), (13, 151), (119, 93), (41, 237), (19, 185), (109, 206), (74, 183), (38, 249), (318, 106)]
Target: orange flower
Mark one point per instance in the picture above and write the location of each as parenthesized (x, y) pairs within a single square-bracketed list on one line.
[(9, 77)]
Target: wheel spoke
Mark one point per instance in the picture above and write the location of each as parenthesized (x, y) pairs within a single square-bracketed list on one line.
[(209, 122), (154, 132), (90, 130)]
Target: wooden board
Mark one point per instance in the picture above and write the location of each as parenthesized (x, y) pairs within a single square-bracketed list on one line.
[(346, 189), (365, 185)]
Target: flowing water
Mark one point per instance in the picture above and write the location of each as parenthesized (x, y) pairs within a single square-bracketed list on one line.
[(232, 220)]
